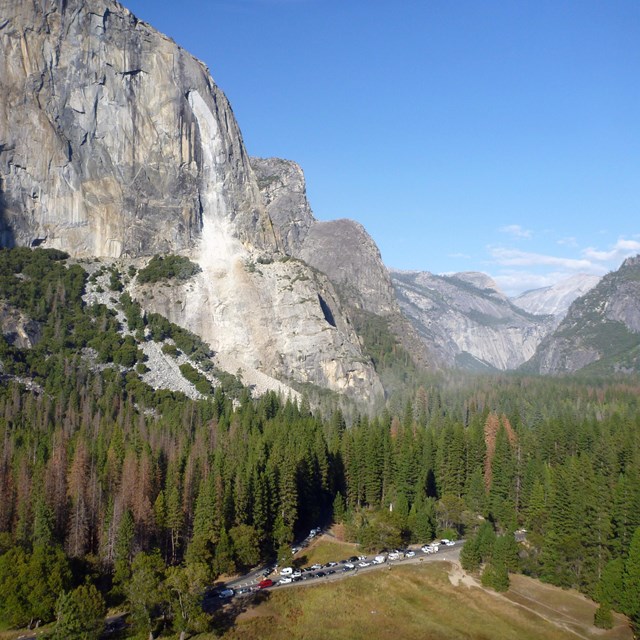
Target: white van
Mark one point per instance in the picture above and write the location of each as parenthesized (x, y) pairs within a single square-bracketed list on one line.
[(379, 560), (287, 571)]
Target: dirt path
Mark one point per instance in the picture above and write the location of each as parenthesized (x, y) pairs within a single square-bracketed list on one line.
[(552, 614)]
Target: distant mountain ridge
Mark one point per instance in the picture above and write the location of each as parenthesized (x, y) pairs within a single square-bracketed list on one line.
[(556, 299), (601, 331), (467, 321)]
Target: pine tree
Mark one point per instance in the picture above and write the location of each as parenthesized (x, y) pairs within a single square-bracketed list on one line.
[(631, 581), (80, 614), (146, 592)]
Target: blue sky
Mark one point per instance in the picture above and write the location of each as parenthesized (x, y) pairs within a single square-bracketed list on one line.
[(496, 136)]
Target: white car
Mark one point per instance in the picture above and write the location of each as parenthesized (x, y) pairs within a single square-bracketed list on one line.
[(379, 560), (287, 571), (364, 563), (450, 543), (409, 554), (395, 555), (285, 580), (296, 574), (315, 567)]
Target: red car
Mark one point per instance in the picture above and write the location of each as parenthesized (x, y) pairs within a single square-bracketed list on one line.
[(263, 584)]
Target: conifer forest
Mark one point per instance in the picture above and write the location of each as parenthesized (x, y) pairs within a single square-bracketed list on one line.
[(111, 492)]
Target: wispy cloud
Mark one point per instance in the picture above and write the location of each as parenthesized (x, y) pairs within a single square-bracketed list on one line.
[(568, 242), (622, 249), (516, 258), (516, 231), (466, 256)]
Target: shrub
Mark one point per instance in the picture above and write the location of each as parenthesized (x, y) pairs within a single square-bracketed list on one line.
[(164, 268)]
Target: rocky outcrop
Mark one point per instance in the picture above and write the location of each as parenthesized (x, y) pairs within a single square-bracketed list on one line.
[(557, 299), (467, 322), (114, 140), (340, 249), (284, 191), (348, 255), (601, 330), (17, 329)]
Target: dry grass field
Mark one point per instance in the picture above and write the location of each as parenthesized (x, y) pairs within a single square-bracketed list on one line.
[(408, 602)]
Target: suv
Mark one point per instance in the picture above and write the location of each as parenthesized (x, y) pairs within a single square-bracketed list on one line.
[(265, 584)]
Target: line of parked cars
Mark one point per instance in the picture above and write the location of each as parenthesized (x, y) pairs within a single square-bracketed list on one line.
[(291, 574)]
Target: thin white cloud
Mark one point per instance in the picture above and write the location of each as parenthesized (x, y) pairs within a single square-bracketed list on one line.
[(568, 242), (622, 249), (466, 256), (516, 258), (516, 231)]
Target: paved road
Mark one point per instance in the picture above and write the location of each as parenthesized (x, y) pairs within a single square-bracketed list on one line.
[(250, 580)]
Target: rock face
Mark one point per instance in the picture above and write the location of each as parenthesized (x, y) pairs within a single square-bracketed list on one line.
[(601, 329), (467, 322), (115, 142), (340, 249), (17, 329), (284, 191), (277, 317), (557, 299), (348, 255)]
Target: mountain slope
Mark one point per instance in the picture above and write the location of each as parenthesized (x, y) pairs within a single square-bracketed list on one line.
[(346, 253), (601, 330), (115, 142), (467, 321), (557, 299)]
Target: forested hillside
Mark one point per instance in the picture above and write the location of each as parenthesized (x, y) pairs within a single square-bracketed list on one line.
[(144, 497)]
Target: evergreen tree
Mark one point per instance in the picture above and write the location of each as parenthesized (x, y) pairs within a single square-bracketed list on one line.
[(602, 618), (80, 614), (146, 592), (631, 581)]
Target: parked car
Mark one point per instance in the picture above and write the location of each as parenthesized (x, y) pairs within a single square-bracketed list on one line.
[(286, 571), (265, 584), (296, 574), (364, 563), (379, 559), (395, 555), (348, 566), (315, 567), (409, 554), (353, 559), (285, 580), (226, 593)]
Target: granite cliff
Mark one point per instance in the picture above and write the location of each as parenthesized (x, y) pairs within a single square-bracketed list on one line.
[(343, 251), (116, 143)]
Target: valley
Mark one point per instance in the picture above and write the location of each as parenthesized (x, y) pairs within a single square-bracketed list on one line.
[(197, 374)]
